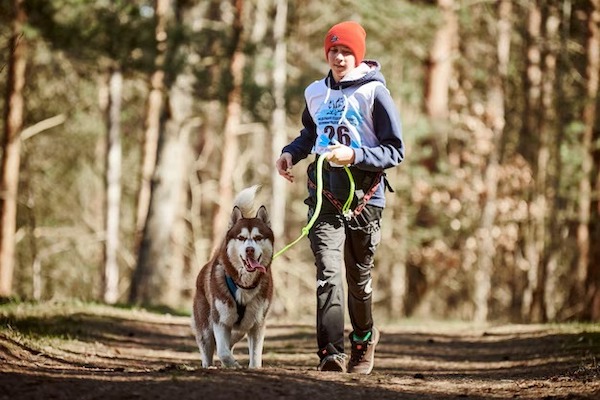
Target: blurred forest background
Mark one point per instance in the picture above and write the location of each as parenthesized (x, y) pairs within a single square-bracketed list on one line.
[(129, 125)]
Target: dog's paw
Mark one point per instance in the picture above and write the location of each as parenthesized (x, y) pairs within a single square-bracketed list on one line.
[(230, 362), (234, 365)]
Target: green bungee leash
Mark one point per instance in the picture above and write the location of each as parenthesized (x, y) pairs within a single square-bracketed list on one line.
[(345, 210)]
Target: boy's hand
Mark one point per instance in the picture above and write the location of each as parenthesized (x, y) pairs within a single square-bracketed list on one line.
[(340, 154), (284, 166)]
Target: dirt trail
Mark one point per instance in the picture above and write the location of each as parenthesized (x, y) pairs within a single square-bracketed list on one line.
[(121, 354)]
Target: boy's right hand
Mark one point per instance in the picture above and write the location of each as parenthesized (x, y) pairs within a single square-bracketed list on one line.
[(284, 166)]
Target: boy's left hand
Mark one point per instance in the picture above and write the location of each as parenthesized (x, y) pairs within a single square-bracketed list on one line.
[(340, 154)]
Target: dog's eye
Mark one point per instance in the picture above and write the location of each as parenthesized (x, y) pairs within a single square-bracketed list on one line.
[(258, 237), (241, 238)]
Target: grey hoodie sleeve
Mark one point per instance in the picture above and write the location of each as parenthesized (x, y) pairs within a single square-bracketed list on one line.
[(301, 147), (388, 129)]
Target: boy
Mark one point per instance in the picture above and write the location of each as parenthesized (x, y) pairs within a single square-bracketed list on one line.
[(351, 117)]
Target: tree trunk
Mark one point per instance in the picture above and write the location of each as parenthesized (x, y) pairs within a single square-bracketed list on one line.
[(13, 123), (529, 147), (541, 205), (549, 163), (588, 268), (398, 277), (158, 277), (495, 121), (278, 125), (230, 131), (110, 290), (152, 122), (439, 64)]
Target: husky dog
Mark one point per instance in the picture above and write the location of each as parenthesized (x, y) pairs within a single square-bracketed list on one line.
[(234, 289)]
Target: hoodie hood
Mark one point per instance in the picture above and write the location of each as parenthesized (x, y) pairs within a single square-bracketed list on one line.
[(366, 71)]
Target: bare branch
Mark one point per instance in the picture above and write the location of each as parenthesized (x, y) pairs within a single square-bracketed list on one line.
[(42, 126)]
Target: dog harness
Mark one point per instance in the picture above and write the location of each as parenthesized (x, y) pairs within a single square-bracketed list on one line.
[(233, 288)]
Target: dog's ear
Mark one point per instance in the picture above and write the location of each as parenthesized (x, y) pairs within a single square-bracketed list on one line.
[(236, 215), (263, 215)]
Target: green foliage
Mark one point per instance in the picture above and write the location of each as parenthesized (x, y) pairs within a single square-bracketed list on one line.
[(93, 32)]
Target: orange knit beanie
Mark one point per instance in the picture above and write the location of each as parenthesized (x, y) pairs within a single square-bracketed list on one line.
[(349, 34)]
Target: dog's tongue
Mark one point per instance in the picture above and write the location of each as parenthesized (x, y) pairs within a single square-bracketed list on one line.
[(254, 265)]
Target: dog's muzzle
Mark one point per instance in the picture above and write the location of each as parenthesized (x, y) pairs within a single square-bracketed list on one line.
[(251, 263)]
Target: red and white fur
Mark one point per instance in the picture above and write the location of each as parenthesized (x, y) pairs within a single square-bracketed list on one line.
[(245, 255)]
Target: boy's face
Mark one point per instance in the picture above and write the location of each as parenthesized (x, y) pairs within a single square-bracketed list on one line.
[(341, 60)]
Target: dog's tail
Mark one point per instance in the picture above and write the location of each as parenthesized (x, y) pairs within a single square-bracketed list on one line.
[(245, 201)]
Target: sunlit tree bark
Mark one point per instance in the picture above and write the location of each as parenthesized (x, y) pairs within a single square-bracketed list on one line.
[(110, 290), (542, 204), (230, 131), (439, 63), (588, 268), (495, 122), (158, 277), (551, 163), (13, 123), (152, 122), (531, 132), (278, 125)]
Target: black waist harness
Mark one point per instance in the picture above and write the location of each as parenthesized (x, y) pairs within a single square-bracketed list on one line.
[(366, 184)]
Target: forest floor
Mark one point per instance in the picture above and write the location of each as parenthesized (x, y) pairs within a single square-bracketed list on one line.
[(75, 351)]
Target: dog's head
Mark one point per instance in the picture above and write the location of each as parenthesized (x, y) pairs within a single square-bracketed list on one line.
[(250, 242)]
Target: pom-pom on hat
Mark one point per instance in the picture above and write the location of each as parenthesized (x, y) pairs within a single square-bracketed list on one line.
[(349, 34)]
